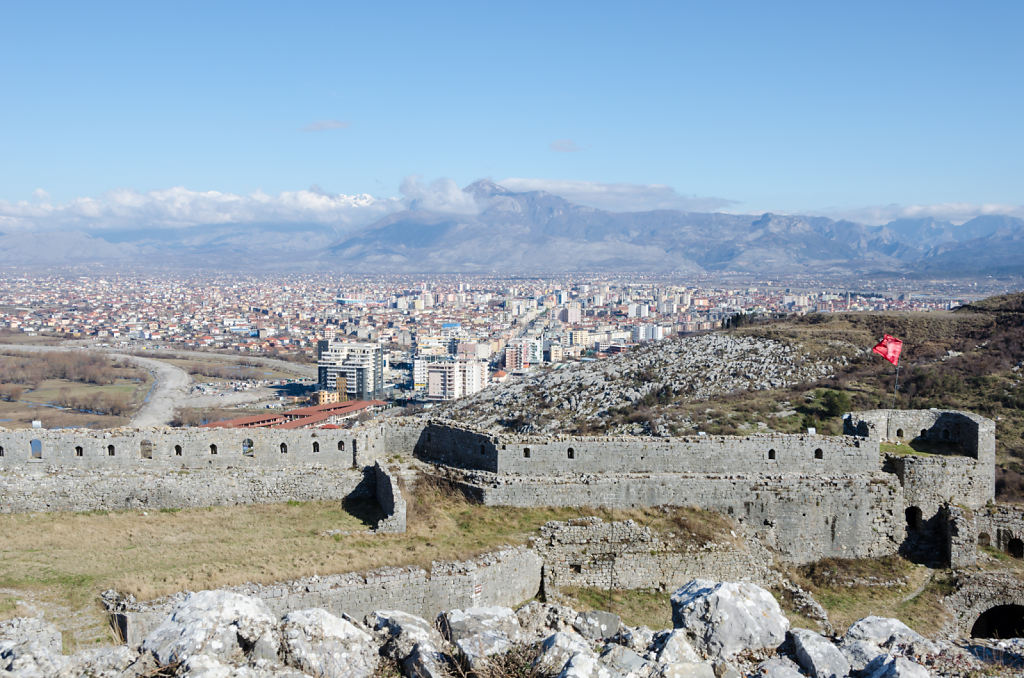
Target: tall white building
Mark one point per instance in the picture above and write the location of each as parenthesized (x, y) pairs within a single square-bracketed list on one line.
[(360, 363), (451, 379)]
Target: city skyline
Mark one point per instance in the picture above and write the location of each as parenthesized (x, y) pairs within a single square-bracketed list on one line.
[(176, 117)]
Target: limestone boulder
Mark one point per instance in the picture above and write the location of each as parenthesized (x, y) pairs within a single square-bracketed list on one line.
[(538, 620), (106, 662), (412, 642), (672, 647), (597, 625), (620, 660), (31, 647), (778, 667), (320, 644), (722, 619), (233, 628), (638, 638), (559, 648), (894, 667), (480, 632), (882, 631), (860, 653), (818, 655)]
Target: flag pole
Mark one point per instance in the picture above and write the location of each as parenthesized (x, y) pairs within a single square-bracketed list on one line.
[(896, 387)]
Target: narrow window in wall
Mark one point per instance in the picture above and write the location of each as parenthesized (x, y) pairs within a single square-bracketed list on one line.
[(247, 448), (177, 450), (110, 450), (572, 453), (771, 454), (354, 447), (899, 433), (284, 448), (146, 449), (341, 446), (1, 450), (79, 451), (526, 453), (36, 447), (316, 447), (213, 449), (818, 454)]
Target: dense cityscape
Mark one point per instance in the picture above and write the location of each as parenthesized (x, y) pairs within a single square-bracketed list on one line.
[(439, 337)]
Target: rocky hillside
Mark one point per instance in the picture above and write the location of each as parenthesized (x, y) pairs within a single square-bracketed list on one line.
[(627, 393), (719, 629)]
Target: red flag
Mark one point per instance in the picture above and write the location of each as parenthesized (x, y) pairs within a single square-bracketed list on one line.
[(889, 348)]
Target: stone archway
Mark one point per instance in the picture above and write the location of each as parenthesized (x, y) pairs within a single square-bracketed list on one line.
[(1000, 621)]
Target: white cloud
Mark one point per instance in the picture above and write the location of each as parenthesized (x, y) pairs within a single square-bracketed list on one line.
[(440, 195), (183, 208), (324, 125), (619, 197), (565, 146), (956, 212)]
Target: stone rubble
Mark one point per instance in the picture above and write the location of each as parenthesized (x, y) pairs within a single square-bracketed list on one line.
[(722, 630)]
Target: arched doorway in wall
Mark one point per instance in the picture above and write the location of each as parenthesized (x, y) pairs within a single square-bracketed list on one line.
[(984, 540), (1001, 621), (35, 446), (1015, 547), (899, 433), (248, 448), (914, 518)]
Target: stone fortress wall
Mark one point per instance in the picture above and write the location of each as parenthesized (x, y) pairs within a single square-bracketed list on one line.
[(805, 497)]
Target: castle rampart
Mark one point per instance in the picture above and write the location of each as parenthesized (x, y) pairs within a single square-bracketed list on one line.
[(563, 455)]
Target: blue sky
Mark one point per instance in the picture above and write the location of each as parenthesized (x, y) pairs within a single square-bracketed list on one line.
[(123, 110)]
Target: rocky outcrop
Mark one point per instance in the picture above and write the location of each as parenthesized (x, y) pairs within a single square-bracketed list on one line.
[(692, 367), (724, 618), (724, 630)]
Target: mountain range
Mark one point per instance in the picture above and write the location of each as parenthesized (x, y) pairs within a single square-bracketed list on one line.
[(534, 231)]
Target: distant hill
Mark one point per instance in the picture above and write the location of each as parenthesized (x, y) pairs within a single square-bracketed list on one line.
[(537, 232)]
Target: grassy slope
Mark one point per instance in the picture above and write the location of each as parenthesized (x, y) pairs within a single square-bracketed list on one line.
[(66, 560)]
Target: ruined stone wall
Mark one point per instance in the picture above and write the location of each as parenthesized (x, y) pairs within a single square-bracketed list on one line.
[(976, 592), (568, 455), (391, 501), (457, 446), (961, 536), (34, 489), (591, 553), (508, 577), (998, 524), (931, 481), (974, 434), (186, 448), (802, 517)]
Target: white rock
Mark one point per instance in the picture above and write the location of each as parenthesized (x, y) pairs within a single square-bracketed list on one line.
[(672, 647), (687, 670), (882, 631), (321, 644), (557, 649), (725, 618), (480, 632), (818, 655), (230, 627), (412, 642), (625, 662), (778, 667), (859, 653), (895, 667)]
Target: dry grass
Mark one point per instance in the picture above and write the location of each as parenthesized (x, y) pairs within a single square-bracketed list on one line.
[(67, 559), (908, 592), (636, 607)]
